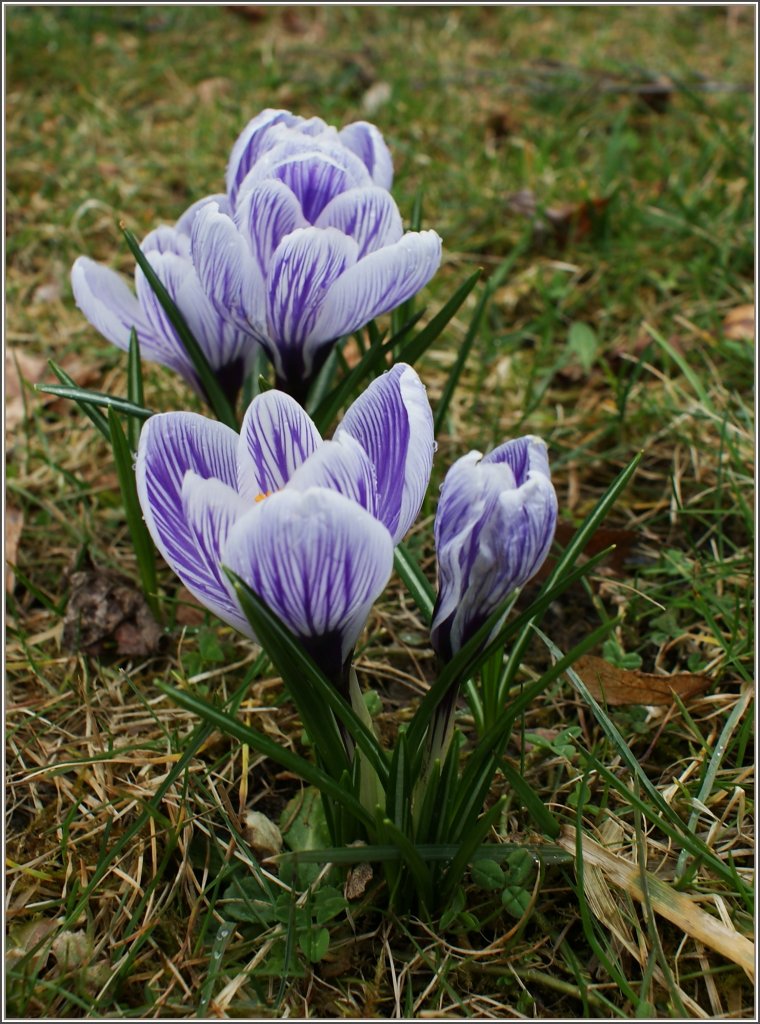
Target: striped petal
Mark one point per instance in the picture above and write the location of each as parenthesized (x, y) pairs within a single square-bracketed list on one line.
[(305, 265), (318, 562), (266, 213), (314, 169), (276, 437), (173, 445), (341, 465), (107, 301), (211, 509), (379, 283), (255, 140), (227, 271), (493, 529), (368, 215), (393, 423), (365, 140)]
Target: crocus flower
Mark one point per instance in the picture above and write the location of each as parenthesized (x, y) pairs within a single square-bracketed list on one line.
[(309, 524), (311, 249), (272, 126), (110, 305), (493, 529)]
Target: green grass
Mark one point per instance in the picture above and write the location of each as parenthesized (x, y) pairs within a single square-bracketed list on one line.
[(124, 814)]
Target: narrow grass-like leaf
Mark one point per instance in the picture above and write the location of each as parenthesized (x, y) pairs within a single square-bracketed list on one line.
[(213, 390), (307, 683), (455, 372), (420, 343), (586, 919), (411, 858), (95, 398), (467, 849), (218, 718), (425, 793), (301, 676), (476, 651), (660, 810), (546, 854), (134, 388), (399, 786), (138, 531), (713, 767), (439, 828), (531, 801), (214, 966), (417, 583), (87, 408), (478, 774), (320, 388)]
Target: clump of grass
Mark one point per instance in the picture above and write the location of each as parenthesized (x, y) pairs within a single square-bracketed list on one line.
[(126, 832)]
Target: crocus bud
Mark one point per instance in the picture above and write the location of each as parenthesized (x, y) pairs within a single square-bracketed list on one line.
[(493, 529)]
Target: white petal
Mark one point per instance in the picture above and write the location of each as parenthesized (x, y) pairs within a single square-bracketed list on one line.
[(368, 215), (379, 283), (276, 437), (108, 303)]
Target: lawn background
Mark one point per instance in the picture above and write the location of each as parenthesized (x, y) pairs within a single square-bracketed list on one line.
[(609, 151)]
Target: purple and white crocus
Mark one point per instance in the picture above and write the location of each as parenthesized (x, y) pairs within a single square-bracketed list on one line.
[(309, 525), (309, 245), (493, 529), (271, 126), (112, 307)]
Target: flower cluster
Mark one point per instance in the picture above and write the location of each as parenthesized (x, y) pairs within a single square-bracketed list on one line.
[(305, 247)]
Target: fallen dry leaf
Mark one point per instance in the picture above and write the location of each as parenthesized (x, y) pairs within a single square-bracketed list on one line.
[(571, 221), (250, 12), (14, 524), (739, 324), (357, 880), (106, 614), (614, 685), (565, 221)]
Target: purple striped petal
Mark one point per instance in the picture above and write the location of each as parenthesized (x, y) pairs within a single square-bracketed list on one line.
[(379, 283), (393, 423), (341, 465), (109, 304), (314, 169), (276, 437), (166, 239), (318, 562), (211, 509), (366, 141), (171, 446), (254, 140), (305, 265), (185, 223), (266, 213), (493, 530), (172, 271), (227, 271), (368, 215)]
